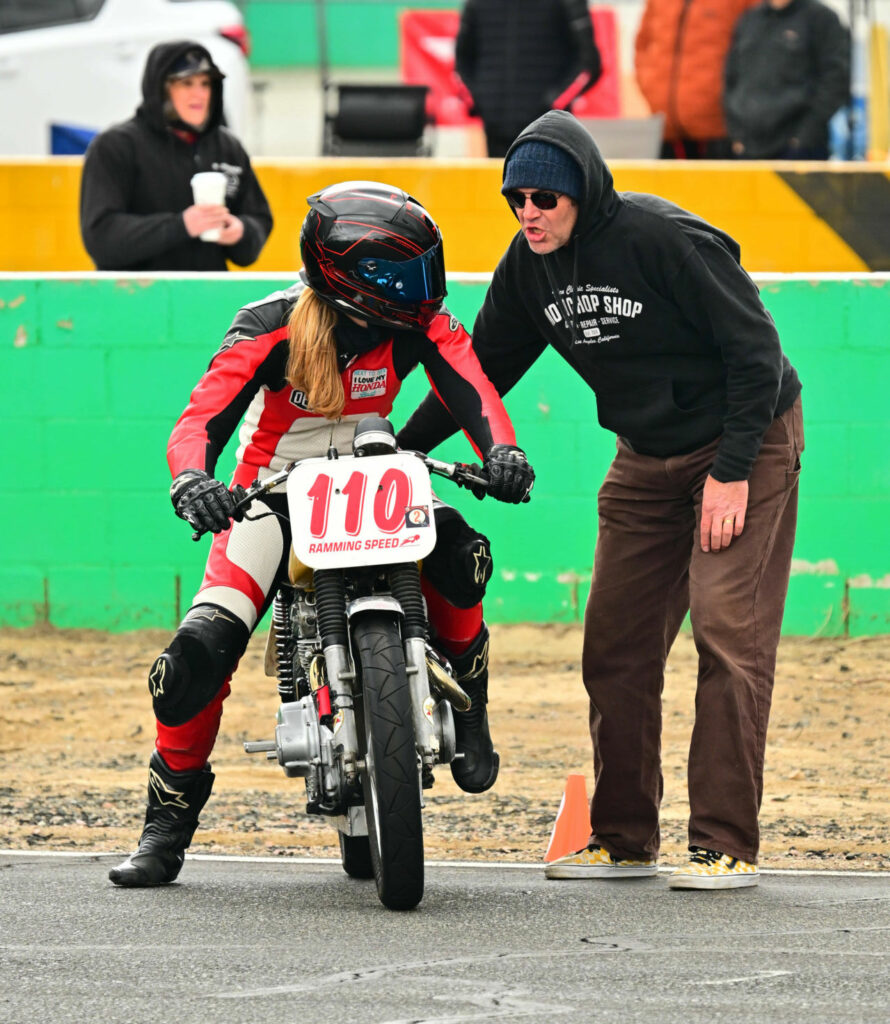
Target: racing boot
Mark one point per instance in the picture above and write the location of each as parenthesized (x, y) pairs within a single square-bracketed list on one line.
[(174, 801), (477, 770)]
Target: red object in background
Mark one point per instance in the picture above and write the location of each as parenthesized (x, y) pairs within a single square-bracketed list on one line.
[(238, 35), (426, 45)]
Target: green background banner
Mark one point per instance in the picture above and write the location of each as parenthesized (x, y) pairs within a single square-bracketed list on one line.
[(94, 370), (360, 33)]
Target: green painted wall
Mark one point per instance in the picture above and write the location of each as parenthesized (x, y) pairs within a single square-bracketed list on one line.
[(94, 371), (363, 34)]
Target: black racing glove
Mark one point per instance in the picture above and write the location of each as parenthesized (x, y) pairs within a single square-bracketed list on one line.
[(204, 502), (510, 476)]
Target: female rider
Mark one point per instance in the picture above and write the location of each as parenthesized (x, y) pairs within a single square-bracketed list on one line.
[(301, 367)]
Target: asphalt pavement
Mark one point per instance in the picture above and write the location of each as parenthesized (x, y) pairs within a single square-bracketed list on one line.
[(240, 940)]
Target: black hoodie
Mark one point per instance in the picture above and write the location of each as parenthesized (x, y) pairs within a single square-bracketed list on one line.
[(649, 304), (136, 183)]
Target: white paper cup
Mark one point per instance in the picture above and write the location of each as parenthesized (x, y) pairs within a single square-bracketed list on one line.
[(209, 189)]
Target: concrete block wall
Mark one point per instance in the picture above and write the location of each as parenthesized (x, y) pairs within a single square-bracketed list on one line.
[(94, 370), (788, 218)]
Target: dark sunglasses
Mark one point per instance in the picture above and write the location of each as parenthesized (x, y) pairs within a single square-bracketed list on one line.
[(543, 200)]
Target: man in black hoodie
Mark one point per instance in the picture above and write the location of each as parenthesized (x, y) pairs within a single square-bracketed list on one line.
[(650, 305), (136, 205)]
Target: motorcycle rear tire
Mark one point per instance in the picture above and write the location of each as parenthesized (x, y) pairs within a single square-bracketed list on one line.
[(355, 856), (390, 780)]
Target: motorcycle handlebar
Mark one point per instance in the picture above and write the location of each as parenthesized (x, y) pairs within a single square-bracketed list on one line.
[(463, 474)]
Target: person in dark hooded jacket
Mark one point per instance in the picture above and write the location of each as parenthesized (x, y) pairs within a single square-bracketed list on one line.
[(518, 58), (650, 305), (136, 206), (787, 72)]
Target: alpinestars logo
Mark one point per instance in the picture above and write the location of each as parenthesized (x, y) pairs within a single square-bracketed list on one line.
[(165, 794), (210, 614), (483, 566), (156, 677), (480, 664)]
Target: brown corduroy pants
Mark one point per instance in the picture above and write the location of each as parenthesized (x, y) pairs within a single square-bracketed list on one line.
[(649, 570)]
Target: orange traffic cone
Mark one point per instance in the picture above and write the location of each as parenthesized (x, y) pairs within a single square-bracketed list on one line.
[(571, 831)]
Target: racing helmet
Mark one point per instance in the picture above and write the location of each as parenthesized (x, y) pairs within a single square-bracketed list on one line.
[(373, 251)]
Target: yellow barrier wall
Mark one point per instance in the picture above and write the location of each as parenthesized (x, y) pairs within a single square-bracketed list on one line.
[(787, 217)]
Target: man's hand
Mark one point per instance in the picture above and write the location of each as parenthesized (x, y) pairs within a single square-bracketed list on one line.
[(232, 231), (204, 502), (204, 218), (510, 477), (723, 509)]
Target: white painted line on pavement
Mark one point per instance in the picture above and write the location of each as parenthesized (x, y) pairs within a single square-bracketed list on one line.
[(760, 976), (491, 865)]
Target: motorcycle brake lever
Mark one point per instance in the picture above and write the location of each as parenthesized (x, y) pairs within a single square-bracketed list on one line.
[(465, 477)]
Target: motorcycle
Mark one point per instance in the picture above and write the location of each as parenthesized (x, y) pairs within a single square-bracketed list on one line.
[(366, 701)]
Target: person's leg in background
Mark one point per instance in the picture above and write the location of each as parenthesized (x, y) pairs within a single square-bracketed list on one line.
[(737, 600), (637, 602), (638, 599)]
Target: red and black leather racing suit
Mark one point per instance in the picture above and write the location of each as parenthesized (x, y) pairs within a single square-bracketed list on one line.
[(246, 381)]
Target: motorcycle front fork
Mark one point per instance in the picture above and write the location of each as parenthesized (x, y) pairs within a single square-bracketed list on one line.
[(432, 720)]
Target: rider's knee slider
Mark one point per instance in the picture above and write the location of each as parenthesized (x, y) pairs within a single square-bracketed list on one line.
[(192, 670), (460, 565)]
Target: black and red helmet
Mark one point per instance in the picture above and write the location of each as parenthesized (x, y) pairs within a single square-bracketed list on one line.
[(372, 251)]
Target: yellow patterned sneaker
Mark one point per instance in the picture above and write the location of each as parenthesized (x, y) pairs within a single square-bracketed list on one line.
[(709, 869), (595, 862)]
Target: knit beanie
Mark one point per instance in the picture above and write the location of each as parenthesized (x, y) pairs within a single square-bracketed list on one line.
[(543, 166)]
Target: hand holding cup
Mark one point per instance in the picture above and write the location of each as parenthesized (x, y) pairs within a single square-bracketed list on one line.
[(209, 189)]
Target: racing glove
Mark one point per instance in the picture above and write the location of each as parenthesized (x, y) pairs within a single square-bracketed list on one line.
[(510, 476), (204, 502)]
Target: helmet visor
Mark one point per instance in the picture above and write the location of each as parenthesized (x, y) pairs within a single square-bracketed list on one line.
[(421, 279)]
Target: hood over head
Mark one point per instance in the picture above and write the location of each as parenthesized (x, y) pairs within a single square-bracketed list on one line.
[(597, 199), (177, 60)]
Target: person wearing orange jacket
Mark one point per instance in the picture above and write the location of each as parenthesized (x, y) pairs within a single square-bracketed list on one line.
[(680, 52)]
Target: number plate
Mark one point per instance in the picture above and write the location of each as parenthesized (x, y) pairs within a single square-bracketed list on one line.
[(367, 511)]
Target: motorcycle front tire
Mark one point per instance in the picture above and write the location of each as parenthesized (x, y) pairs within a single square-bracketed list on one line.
[(390, 779)]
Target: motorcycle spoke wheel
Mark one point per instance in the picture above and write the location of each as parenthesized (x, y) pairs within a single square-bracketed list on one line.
[(355, 856), (390, 780)]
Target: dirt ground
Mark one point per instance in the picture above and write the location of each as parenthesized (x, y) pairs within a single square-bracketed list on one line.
[(76, 730)]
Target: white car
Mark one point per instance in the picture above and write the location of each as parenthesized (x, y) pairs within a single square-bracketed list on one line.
[(79, 63)]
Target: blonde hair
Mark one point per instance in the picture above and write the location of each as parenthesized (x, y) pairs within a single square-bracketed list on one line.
[(312, 362)]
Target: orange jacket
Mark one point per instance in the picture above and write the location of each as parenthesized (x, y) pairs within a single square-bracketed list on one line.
[(681, 49)]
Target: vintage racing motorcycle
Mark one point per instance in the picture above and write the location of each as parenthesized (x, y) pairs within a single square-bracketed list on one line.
[(365, 712)]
